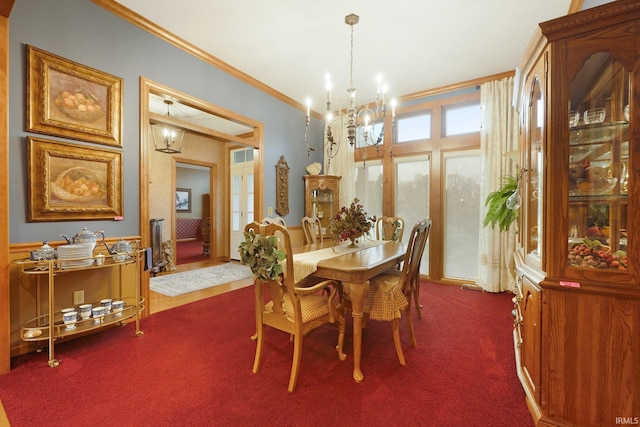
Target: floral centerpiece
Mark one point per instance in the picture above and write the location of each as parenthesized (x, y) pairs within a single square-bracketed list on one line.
[(262, 255), (352, 223)]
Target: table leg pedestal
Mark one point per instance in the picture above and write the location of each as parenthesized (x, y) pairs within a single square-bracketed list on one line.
[(357, 292)]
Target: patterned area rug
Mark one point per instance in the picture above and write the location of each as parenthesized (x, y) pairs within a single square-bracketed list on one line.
[(190, 281)]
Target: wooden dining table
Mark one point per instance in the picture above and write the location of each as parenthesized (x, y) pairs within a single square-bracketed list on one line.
[(354, 269)]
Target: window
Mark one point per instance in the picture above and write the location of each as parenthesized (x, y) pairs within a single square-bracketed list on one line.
[(412, 196), (369, 188), (374, 135), (462, 118), (414, 127), (430, 169), (463, 175)]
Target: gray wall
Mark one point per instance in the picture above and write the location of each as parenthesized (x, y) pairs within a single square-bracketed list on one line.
[(85, 33)]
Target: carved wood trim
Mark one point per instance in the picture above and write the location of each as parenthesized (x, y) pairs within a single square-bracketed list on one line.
[(282, 187)]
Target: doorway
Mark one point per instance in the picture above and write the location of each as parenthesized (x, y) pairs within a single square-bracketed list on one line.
[(211, 132), (192, 222), (241, 196)]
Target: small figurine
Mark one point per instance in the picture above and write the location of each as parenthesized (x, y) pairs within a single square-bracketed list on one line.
[(167, 254)]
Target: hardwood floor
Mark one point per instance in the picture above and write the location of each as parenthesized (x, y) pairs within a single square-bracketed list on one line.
[(159, 302)]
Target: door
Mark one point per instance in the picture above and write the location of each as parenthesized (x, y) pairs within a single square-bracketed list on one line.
[(241, 191)]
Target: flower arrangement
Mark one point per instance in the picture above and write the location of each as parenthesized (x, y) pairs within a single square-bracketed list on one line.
[(352, 222), (262, 255)]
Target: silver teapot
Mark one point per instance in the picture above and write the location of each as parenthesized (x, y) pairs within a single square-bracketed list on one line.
[(120, 249), (85, 236)]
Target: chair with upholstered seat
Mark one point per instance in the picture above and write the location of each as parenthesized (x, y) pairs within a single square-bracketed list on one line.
[(391, 292), (390, 228), (284, 306), (312, 229)]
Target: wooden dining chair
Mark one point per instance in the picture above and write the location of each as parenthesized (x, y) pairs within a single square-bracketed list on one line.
[(390, 228), (391, 292), (312, 229), (295, 310)]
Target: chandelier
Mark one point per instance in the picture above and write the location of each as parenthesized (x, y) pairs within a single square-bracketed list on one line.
[(364, 123), (171, 137)]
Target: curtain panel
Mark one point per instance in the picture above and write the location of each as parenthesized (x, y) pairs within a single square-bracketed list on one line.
[(499, 135)]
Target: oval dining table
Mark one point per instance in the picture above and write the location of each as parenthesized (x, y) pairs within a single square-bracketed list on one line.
[(354, 269)]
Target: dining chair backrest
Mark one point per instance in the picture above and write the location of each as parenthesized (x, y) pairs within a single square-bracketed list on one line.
[(284, 244), (274, 220), (415, 249), (312, 229), (390, 228)]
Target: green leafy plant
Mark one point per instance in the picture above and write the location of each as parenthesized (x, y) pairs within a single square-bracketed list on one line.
[(496, 203), (262, 255)]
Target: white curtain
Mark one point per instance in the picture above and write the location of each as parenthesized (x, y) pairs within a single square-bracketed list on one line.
[(499, 135), (340, 163)]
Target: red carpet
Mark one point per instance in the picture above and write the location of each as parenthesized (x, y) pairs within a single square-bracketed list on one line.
[(193, 367), (189, 251)]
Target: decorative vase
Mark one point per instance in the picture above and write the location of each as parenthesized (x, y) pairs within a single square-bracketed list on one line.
[(354, 241)]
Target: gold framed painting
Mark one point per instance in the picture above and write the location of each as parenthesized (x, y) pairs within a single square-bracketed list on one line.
[(70, 100), (69, 182)]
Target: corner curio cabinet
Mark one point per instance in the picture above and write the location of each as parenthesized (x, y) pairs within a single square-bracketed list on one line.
[(321, 199), (577, 303)]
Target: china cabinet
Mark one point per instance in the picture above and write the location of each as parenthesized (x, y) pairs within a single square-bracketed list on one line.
[(322, 198), (50, 326), (577, 302)]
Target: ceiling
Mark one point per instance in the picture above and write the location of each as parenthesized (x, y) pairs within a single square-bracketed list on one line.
[(416, 45)]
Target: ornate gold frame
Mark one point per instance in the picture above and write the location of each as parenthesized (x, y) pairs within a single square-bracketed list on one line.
[(69, 182), (71, 100)]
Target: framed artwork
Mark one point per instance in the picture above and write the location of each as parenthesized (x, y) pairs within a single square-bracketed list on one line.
[(71, 100), (183, 200), (69, 182)]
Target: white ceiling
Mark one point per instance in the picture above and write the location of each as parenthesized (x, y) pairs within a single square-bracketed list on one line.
[(415, 45)]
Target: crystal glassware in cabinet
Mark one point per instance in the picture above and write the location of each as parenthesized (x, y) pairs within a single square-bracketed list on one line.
[(598, 166)]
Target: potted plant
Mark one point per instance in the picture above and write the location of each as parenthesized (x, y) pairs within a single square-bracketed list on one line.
[(502, 205), (262, 255)]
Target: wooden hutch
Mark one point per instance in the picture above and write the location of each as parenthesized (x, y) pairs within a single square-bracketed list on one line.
[(577, 306)]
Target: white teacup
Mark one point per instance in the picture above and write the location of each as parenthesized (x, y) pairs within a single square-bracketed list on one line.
[(117, 307), (70, 318), (98, 313), (85, 311), (67, 310), (106, 303), (99, 259)]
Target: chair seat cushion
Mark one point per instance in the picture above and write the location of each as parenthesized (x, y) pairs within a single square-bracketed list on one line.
[(385, 300), (311, 306)]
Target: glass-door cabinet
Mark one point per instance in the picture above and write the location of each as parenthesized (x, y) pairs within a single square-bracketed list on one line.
[(577, 299)]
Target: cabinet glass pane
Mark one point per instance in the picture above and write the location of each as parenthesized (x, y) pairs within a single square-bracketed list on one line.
[(598, 164), (535, 168), (323, 206)]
